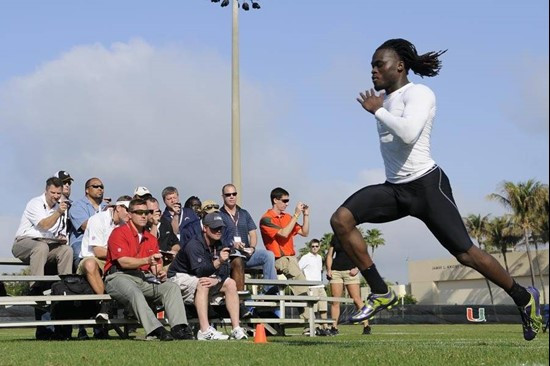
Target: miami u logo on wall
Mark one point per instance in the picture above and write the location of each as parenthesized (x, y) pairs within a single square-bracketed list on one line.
[(479, 319)]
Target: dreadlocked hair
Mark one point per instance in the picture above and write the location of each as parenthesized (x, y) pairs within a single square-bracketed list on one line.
[(427, 64)]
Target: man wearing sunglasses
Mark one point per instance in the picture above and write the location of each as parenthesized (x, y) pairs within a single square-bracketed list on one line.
[(312, 266), (278, 229), (133, 261), (201, 270), (240, 234), (81, 210)]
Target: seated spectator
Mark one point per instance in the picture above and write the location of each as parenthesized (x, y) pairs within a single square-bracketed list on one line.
[(142, 192), (240, 234), (134, 276), (193, 227), (278, 229), (201, 271), (189, 214), (160, 227), (172, 212), (41, 238), (94, 244), (67, 182), (81, 210)]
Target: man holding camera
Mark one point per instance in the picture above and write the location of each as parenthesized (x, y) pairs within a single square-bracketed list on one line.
[(201, 270), (41, 236), (278, 229), (134, 275)]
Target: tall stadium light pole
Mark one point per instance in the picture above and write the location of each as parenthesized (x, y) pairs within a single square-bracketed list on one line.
[(235, 91), (235, 105)]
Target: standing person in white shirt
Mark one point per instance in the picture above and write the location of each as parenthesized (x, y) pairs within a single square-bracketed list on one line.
[(415, 185), (312, 266)]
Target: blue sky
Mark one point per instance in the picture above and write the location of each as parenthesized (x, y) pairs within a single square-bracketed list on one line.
[(138, 93)]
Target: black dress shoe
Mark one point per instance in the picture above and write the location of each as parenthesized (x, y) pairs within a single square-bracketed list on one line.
[(182, 331), (162, 334)]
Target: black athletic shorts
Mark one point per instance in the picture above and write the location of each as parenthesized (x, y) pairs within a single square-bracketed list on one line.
[(428, 198)]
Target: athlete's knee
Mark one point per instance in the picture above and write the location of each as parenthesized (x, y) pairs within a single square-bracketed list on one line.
[(471, 257), (342, 220)]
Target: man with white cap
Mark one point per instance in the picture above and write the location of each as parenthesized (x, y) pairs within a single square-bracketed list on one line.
[(201, 271), (142, 192)]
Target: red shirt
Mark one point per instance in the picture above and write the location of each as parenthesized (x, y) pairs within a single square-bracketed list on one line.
[(270, 224), (124, 242)]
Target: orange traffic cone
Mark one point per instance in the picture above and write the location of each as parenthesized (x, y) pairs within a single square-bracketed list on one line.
[(259, 335)]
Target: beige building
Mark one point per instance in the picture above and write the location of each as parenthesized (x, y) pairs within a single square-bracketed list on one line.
[(446, 282)]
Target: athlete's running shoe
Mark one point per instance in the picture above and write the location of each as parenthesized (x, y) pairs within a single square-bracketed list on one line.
[(375, 303), (530, 315)]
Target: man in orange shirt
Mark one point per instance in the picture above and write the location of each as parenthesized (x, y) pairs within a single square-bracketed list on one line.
[(278, 229)]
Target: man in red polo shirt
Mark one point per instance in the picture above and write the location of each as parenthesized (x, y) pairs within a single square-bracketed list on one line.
[(134, 275), (278, 229)]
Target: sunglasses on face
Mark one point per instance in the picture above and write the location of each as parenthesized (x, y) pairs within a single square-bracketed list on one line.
[(68, 182), (314, 246), (96, 186), (232, 194), (216, 229), (142, 212), (210, 207), (286, 200)]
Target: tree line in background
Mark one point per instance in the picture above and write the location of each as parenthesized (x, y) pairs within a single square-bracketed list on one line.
[(525, 226)]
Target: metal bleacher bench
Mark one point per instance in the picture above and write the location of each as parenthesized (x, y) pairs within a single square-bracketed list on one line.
[(279, 301)]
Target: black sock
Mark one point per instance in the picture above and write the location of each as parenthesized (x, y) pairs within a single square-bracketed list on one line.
[(375, 282), (519, 294)]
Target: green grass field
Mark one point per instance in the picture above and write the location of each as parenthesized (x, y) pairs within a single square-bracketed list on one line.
[(476, 344)]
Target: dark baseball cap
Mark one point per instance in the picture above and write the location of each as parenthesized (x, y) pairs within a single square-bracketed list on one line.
[(213, 220), (63, 175)]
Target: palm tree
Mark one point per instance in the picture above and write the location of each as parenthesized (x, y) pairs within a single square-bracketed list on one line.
[(525, 200), (502, 234), (477, 229), (540, 231), (374, 239)]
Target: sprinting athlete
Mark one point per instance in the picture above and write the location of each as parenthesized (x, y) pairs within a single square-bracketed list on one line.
[(415, 185)]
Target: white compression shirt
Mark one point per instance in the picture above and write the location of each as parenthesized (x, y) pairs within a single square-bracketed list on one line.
[(404, 126)]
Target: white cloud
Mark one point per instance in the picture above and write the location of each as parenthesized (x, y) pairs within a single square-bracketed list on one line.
[(528, 105)]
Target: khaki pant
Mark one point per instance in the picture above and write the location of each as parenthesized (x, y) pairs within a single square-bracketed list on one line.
[(289, 267), (37, 253), (133, 292)]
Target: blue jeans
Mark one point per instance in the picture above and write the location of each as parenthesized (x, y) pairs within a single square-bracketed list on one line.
[(266, 259)]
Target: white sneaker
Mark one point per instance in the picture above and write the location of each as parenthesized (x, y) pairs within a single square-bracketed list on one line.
[(211, 334), (102, 317), (238, 333)]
